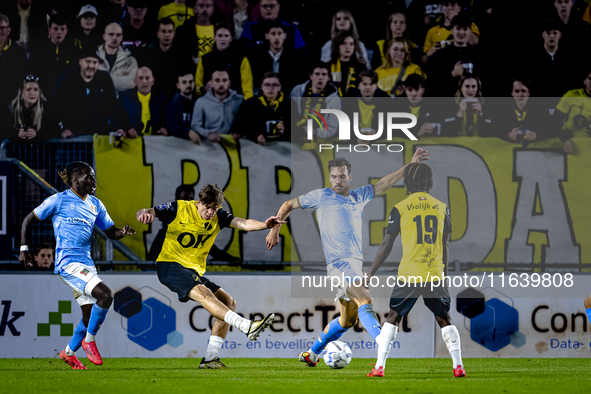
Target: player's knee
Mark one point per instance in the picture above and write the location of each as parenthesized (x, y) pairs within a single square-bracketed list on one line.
[(231, 304), (106, 298), (393, 317), (588, 302), (364, 301), (443, 320), (349, 322)]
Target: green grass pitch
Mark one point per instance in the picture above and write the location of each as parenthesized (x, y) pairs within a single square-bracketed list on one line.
[(133, 375)]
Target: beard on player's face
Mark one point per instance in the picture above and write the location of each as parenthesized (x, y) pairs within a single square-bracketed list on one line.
[(342, 187)]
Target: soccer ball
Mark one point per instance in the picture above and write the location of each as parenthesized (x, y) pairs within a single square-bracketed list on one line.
[(338, 355)]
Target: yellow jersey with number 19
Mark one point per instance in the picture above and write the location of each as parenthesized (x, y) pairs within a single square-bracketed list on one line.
[(189, 237), (421, 220)]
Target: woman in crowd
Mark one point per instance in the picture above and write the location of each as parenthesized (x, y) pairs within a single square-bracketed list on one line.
[(469, 118), (396, 28), (345, 66), (27, 113), (397, 68), (343, 21)]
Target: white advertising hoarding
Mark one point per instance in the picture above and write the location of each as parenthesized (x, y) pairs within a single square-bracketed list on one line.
[(39, 313), (147, 320)]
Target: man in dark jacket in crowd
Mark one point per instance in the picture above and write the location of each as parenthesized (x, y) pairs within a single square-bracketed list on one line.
[(447, 66), (54, 56), (141, 109), (263, 117), (179, 110), (85, 99), (277, 55)]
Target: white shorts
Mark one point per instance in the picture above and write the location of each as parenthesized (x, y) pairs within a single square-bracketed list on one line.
[(82, 279), (342, 272)]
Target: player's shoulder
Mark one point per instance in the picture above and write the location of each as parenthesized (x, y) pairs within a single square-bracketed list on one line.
[(59, 196), (54, 199), (360, 191), (94, 200), (324, 192), (435, 201), (222, 211)]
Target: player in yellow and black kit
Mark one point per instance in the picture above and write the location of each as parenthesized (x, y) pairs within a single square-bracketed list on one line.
[(191, 232), (424, 226)]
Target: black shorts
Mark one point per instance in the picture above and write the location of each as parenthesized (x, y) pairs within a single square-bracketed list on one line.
[(181, 280), (404, 298)]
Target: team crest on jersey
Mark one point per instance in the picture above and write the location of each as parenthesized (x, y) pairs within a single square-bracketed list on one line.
[(84, 272), (72, 206), (422, 198), (162, 207), (93, 209)]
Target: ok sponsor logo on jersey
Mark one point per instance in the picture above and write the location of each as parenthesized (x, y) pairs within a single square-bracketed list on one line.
[(189, 240)]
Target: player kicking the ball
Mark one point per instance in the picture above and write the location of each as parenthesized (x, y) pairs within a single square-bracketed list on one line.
[(340, 231), (74, 214), (192, 227), (424, 225)]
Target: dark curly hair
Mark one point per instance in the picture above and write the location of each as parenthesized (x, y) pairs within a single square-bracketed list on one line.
[(418, 177), (72, 169)]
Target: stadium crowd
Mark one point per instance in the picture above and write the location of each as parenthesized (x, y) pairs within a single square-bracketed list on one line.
[(199, 69)]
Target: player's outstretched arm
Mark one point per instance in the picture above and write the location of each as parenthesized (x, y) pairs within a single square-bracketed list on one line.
[(118, 233), (383, 252), (255, 225), (145, 216), (391, 179), (24, 256), (284, 211)]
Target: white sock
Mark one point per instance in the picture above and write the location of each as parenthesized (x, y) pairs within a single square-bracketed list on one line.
[(213, 347), (234, 319), (313, 356), (89, 337), (69, 351), (384, 341), (451, 337)]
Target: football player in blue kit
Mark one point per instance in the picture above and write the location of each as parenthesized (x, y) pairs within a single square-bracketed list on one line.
[(340, 218), (74, 214)]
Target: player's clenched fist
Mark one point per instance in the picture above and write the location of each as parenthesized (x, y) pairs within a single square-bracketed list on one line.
[(25, 258), (127, 230), (420, 156), (145, 216)]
